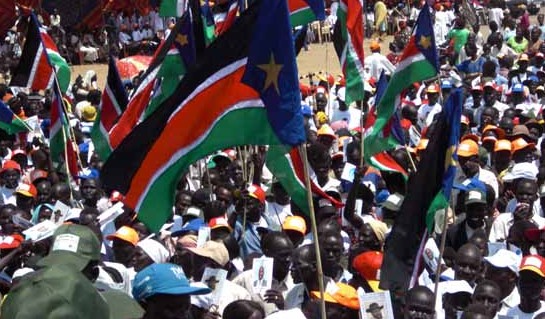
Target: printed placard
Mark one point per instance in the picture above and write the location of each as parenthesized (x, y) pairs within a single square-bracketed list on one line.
[(262, 270), (215, 279), (60, 211), (110, 214), (377, 305), (40, 231)]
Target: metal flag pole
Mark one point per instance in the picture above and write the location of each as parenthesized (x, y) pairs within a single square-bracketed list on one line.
[(303, 151)]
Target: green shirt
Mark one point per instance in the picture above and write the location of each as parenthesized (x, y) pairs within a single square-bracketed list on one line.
[(460, 37), (518, 47)]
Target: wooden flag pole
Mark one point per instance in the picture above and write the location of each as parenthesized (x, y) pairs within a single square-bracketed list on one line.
[(441, 252), (303, 151)]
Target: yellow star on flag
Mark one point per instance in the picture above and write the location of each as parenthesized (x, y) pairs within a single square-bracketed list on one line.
[(449, 160), (273, 71), (182, 39), (425, 42)]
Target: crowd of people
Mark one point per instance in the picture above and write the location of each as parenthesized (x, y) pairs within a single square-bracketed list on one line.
[(73, 250)]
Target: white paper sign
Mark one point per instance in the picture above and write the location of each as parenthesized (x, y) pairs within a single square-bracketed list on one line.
[(41, 231), (262, 271), (348, 172), (203, 236), (215, 279), (110, 214)]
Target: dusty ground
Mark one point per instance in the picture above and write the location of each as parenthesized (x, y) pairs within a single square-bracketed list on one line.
[(319, 57)]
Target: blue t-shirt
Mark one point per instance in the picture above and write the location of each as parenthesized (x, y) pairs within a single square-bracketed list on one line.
[(470, 66)]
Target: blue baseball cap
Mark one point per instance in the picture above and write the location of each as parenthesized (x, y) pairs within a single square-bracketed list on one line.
[(517, 88), (192, 225), (306, 110), (469, 184), (166, 279), (446, 84)]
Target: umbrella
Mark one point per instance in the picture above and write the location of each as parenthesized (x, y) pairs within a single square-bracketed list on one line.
[(129, 67)]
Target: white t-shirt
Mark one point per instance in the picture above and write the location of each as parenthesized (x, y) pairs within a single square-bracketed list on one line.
[(515, 312)]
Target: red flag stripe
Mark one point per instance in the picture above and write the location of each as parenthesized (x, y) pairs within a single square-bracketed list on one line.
[(192, 108), (354, 24), (299, 168), (130, 117), (108, 112)]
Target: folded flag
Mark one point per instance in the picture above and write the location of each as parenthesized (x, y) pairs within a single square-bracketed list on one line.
[(40, 55), (249, 72), (10, 122), (287, 166), (113, 103), (302, 12), (348, 42), (62, 146), (417, 63)]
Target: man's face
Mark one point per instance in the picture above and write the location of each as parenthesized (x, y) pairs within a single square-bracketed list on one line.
[(475, 215), (488, 117), (432, 98), (322, 169), (140, 259), (530, 285), (467, 266), (281, 250), (123, 251), (332, 247), (489, 96), (526, 192), (11, 178), (89, 190), (224, 195), (280, 194), (504, 277), (183, 202), (469, 165), (419, 306), (44, 192), (301, 269), (488, 296), (368, 239)]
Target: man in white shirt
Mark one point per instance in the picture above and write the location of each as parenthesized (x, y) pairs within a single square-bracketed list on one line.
[(526, 195), (136, 34), (427, 112), (376, 62)]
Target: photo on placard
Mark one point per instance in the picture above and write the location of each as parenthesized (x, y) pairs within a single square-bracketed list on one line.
[(214, 279), (262, 274), (375, 305)]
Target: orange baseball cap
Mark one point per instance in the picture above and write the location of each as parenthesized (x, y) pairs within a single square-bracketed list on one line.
[(533, 263), (219, 222), (502, 145), (374, 45), (520, 144), (433, 88), (500, 133), (28, 190), (295, 223), (340, 293), (368, 265), (11, 164), (257, 192), (468, 148), (11, 242), (125, 233), (489, 139), (474, 137)]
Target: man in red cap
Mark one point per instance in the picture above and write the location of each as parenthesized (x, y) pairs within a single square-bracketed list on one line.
[(253, 206), (11, 176)]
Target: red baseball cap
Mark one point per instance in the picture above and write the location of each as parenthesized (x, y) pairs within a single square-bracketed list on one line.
[(257, 192)]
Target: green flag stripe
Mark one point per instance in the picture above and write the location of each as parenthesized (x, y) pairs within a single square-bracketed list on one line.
[(154, 210)]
